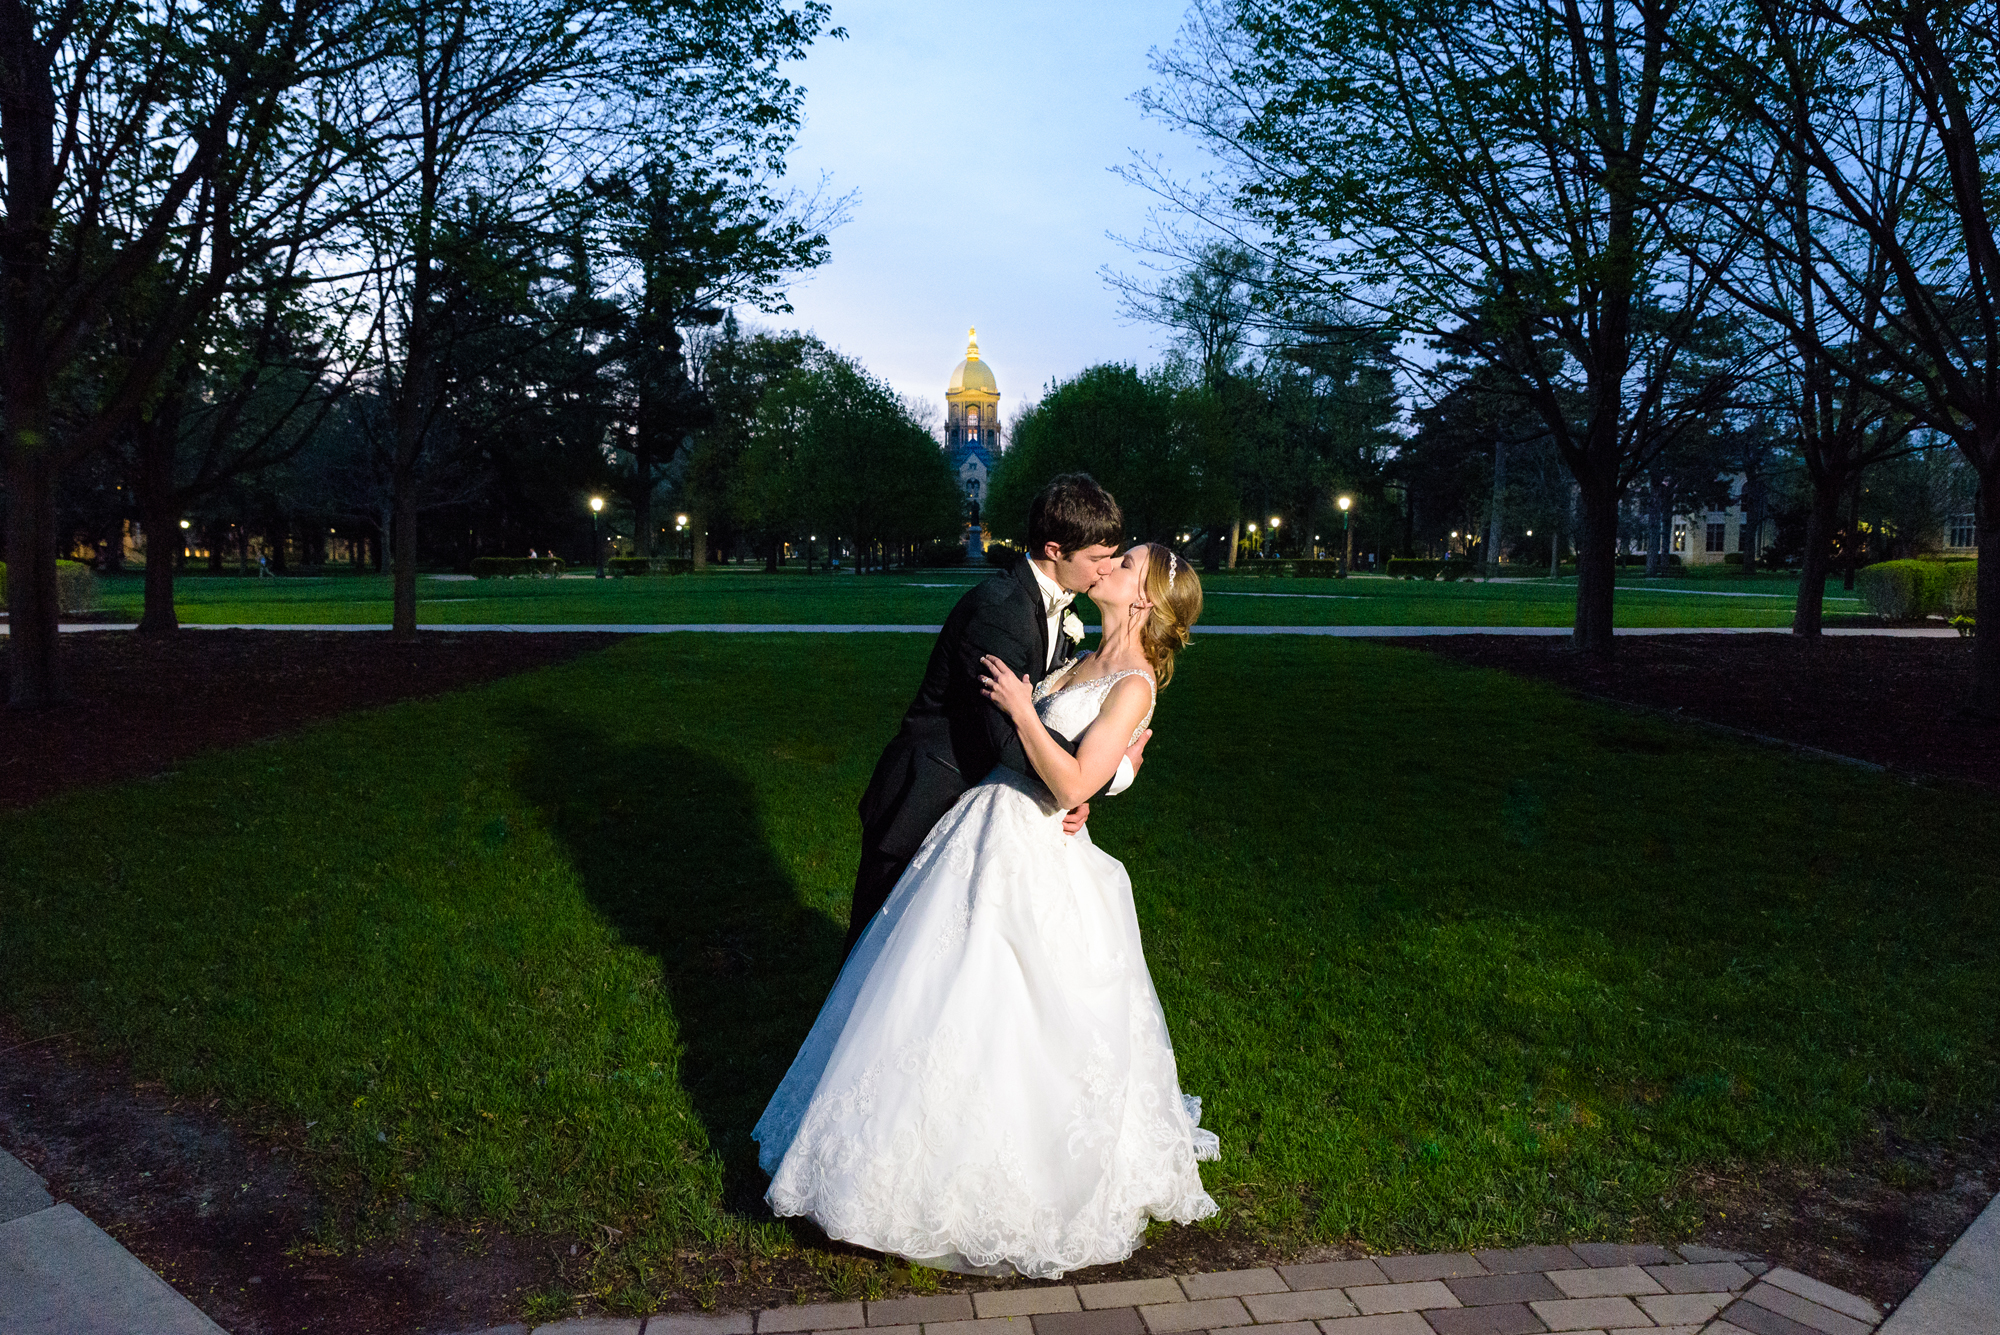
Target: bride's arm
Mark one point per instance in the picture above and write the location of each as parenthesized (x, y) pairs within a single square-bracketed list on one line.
[(1071, 779)]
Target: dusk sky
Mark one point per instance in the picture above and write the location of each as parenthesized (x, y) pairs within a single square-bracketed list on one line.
[(979, 139)]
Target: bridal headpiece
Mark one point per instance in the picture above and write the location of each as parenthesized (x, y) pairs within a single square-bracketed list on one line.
[(1173, 569)]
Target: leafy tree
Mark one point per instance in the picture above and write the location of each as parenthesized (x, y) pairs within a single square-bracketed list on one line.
[(153, 156), (1125, 429), (834, 451), (697, 243), (509, 112), (1489, 177)]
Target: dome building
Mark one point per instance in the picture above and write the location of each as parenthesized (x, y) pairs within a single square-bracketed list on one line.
[(972, 434)]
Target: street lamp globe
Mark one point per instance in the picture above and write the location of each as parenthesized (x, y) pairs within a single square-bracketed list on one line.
[(186, 524), (1346, 501), (596, 503), (1274, 521)]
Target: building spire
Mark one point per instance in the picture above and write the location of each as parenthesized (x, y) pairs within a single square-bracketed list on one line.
[(972, 345)]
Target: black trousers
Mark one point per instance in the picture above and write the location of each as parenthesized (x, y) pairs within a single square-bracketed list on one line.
[(873, 880)]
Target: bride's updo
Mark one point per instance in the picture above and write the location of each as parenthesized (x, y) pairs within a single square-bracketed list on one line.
[(1175, 592)]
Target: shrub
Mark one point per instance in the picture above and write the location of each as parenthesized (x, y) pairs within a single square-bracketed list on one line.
[(1732, 558), (1961, 589), (76, 586), (1316, 569), (1907, 590), (1417, 567), (941, 554), (1002, 554), (516, 567)]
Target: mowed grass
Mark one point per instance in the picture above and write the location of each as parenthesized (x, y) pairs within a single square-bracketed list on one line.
[(740, 595), (1454, 959)]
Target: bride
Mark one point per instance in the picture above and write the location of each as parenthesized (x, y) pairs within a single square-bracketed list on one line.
[(990, 1087)]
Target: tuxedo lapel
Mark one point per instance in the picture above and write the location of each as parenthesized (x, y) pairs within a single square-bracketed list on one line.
[(1038, 612)]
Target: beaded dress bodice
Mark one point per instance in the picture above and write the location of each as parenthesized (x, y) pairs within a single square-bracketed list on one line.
[(1068, 707)]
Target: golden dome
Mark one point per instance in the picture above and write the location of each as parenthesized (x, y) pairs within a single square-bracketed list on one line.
[(972, 374)]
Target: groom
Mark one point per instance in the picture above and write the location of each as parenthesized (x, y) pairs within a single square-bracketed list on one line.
[(952, 735)]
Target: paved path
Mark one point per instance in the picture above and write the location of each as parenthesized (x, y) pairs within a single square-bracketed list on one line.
[(60, 1274), (1961, 1295), (1586, 1287), (1337, 632)]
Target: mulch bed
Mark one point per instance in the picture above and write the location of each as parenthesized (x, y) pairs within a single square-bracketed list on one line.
[(1892, 701), (140, 704)]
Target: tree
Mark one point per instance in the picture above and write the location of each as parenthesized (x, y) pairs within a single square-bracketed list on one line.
[(152, 156), (1489, 177), (833, 451), (509, 112), (1124, 429), (1863, 166), (697, 243)]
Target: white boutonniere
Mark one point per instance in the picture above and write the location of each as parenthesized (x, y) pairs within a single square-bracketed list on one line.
[(1072, 626)]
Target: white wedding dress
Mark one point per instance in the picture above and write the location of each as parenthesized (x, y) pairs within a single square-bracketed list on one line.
[(990, 1087)]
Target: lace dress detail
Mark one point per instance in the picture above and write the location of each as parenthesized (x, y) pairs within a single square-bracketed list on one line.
[(991, 1086)]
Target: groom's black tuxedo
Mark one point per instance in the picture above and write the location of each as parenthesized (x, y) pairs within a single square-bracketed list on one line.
[(952, 735)]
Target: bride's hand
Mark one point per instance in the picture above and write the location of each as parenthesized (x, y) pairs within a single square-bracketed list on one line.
[(1014, 695)]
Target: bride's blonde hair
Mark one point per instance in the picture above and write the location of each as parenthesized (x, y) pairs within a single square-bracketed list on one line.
[(1175, 593)]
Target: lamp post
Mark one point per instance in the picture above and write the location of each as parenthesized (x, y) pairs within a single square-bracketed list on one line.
[(1347, 533), (597, 543)]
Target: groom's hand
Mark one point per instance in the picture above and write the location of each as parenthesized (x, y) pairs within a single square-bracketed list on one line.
[(1136, 753), (1074, 818)]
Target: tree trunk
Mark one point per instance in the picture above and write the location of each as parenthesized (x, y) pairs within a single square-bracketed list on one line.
[(1818, 561), (1654, 523), (1493, 518), (642, 505), (1753, 521), (403, 559), (1853, 534), (1555, 552), (159, 511), (1235, 536), (1985, 701), (698, 541), (32, 613), (1597, 567)]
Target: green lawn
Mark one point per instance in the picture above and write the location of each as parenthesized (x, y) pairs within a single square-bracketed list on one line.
[(735, 594), (1456, 960)]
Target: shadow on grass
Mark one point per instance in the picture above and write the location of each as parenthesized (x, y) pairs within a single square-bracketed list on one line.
[(673, 854)]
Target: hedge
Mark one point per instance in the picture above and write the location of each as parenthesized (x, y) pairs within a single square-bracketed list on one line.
[(655, 565), (1419, 567), (516, 567), (1910, 590), (76, 586), (1316, 569), (935, 554)]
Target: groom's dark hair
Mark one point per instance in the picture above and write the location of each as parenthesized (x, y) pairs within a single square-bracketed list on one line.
[(1074, 512)]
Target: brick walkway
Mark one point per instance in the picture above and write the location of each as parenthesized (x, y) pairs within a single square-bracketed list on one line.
[(1587, 1287)]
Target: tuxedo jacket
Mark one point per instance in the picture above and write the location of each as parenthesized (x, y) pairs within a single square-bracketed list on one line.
[(953, 735)]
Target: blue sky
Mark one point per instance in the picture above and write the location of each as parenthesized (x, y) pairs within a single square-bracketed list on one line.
[(979, 139)]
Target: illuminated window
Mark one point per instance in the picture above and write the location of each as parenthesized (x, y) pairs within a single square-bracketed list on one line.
[(1680, 537), (972, 422)]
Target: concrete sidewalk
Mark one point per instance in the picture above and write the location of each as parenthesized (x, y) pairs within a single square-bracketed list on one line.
[(1961, 1294), (60, 1274)]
